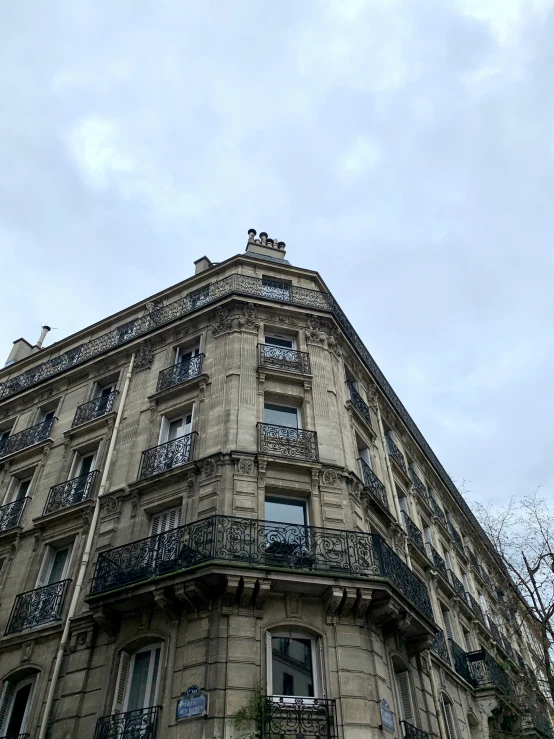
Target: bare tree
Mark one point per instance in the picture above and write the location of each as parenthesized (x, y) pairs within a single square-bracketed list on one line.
[(523, 533)]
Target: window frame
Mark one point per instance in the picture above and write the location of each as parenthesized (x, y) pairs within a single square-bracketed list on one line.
[(15, 688), (317, 664), (296, 409)]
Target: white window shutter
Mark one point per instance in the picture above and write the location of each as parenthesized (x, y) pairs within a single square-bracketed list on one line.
[(46, 566), (7, 695), (166, 520), (403, 682), (448, 625), (173, 518), (448, 714), (269, 662), (121, 683)]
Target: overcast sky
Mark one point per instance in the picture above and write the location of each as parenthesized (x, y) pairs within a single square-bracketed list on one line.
[(403, 148)]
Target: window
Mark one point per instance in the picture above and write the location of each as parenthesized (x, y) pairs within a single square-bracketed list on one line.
[(404, 696), (21, 488), (45, 416), (165, 521), (403, 503), (83, 463), (293, 665), (104, 396), (468, 642), (15, 706), (137, 679), (4, 435), (281, 341), (427, 535), (280, 415), (448, 715), (183, 355), (447, 558), (286, 510), (175, 428), (55, 565), (364, 454), (448, 625)]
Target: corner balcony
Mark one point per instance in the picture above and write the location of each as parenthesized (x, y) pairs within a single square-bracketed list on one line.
[(10, 514), (139, 724), (374, 484), (180, 373), (27, 438), (359, 404), (302, 718), (168, 456), (487, 673), (412, 732), (536, 719), (70, 493), (285, 360), (37, 607), (291, 443), (265, 545), (94, 409)]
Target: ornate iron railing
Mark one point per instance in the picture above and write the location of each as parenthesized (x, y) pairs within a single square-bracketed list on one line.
[(285, 441), (439, 647), (417, 483), (180, 372), (438, 561), (396, 454), (486, 672), (301, 718), (281, 358), (27, 437), (437, 511), (359, 403), (139, 724), (508, 648), (95, 408), (164, 457), (495, 631), (413, 532), (70, 493), (459, 659), (457, 584), (259, 543), (10, 514), (456, 536), (373, 483), (476, 608), (36, 607), (412, 732), (534, 718)]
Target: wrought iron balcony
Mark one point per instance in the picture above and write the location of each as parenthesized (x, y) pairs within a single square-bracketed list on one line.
[(418, 485), (437, 561), (476, 608), (36, 607), (413, 532), (27, 437), (373, 483), (456, 536), (70, 493), (164, 457), (281, 358), (180, 372), (284, 441), (302, 718), (495, 631), (535, 718), (396, 454), (461, 665), (437, 511), (259, 544), (139, 724), (412, 732), (439, 646), (94, 409), (359, 403), (486, 672), (508, 648), (10, 514), (457, 584)]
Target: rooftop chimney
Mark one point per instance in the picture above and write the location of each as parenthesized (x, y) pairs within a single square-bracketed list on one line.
[(202, 264), (44, 331), (21, 347), (265, 246)]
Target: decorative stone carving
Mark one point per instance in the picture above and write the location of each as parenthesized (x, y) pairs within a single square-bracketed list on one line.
[(145, 356), (181, 331), (153, 305), (281, 318), (330, 477), (109, 506), (245, 466), (221, 322), (249, 319), (334, 343), (313, 330), (208, 469)]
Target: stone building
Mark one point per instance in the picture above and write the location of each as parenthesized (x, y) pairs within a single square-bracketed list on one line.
[(213, 504)]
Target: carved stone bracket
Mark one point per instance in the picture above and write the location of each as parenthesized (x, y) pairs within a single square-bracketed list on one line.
[(107, 619), (230, 595), (245, 466), (167, 603), (332, 599), (249, 320), (222, 322), (144, 357)]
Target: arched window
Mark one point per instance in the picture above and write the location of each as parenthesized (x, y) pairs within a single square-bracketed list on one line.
[(294, 664), (474, 727), (448, 715), (404, 694), (15, 705), (137, 679)]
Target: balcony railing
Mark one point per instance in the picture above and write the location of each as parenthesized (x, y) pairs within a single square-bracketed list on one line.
[(534, 718), (139, 724), (476, 608), (472, 558), (359, 403), (26, 438), (461, 665), (164, 457), (302, 718), (417, 483), (439, 647), (495, 631), (373, 483), (259, 544), (36, 607), (437, 510), (180, 372), (413, 532), (70, 493), (412, 732), (437, 561), (95, 408), (285, 441), (397, 455), (281, 358), (10, 514), (508, 648), (486, 672), (457, 584), (456, 536), (485, 577)]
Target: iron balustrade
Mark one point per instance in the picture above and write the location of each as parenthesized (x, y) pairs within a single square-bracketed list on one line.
[(259, 543), (10, 514), (286, 441), (373, 483), (476, 608), (359, 403), (27, 437), (164, 457), (472, 558), (412, 732), (413, 532), (508, 648), (418, 485), (70, 493), (36, 607), (461, 665), (437, 561), (457, 584), (95, 408), (396, 454), (139, 724), (282, 358), (180, 372), (486, 672), (456, 536), (438, 646), (302, 718), (495, 631), (437, 511), (534, 718)]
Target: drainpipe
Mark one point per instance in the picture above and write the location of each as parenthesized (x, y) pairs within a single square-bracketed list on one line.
[(85, 559), (436, 700)]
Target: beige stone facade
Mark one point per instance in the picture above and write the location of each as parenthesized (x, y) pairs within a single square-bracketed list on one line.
[(159, 439)]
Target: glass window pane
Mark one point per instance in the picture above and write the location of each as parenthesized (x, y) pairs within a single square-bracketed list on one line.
[(285, 511), (279, 415), (56, 573), (139, 680), (273, 341), (292, 666)]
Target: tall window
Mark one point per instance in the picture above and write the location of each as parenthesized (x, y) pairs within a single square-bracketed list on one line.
[(21, 488), (15, 706), (165, 521), (55, 565), (175, 428), (448, 715), (448, 624), (137, 679), (292, 664), (286, 510), (281, 415), (404, 695)]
